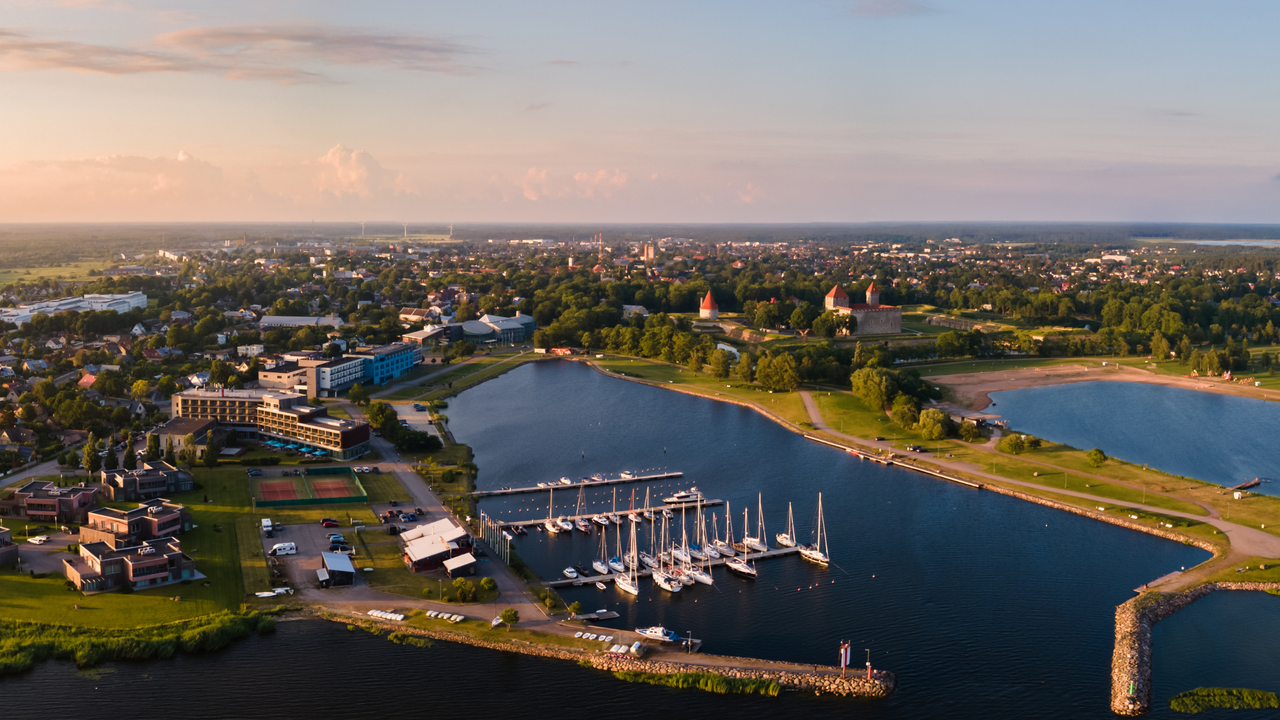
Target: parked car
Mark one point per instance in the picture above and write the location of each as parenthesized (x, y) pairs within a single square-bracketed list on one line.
[(338, 547), (278, 526), (38, 540), (395, 503), (375, 469), (878, 439), (335, 536), (328, 523), (410, 517), (419, 511)]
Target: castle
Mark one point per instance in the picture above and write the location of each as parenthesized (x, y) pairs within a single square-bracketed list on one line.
[(709, 309), (872, 317)]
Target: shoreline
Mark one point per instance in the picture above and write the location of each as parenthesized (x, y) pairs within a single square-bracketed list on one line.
[(973, 390)]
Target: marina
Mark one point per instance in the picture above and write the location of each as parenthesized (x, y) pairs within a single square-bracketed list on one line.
[(587, 482), (574, 518), (647, 572)]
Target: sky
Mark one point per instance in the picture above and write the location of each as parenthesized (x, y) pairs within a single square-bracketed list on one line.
[(639, 111)]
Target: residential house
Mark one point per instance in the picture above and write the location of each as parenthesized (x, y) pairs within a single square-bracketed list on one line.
[(155, 518), (34, 366), (8, 548), (45, 502), (150, 480), (100, 567), (17, 436)]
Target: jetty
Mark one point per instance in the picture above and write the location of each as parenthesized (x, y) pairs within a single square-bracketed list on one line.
[(656, 509), (890, 460), (646, 572), (557, 485)]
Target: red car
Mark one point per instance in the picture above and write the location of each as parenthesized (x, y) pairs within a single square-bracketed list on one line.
[(328, 524)]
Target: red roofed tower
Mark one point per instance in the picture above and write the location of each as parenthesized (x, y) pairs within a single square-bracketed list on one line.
[(837, 298), (873, 295), (709, 310)]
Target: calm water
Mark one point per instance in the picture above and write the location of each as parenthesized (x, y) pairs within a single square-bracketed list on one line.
[(1219, 438), (984, 606)]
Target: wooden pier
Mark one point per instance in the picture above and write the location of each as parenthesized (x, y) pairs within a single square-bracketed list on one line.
[(646, 572), (579, 484), (657, 510)]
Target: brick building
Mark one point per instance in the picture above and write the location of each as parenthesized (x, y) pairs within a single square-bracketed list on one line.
[(101, 567), (150, 480), (156, 518), (42, 501)]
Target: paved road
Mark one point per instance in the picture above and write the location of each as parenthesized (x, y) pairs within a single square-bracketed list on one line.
[(1249, 542)]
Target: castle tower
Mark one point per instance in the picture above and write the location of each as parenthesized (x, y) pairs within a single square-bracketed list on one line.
[(709, 310), (873, 295), (837, 298)]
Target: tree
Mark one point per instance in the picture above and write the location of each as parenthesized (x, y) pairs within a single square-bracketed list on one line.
[(1012, 444), (934, 424), (720, 360), (767, 315), (1159, 347), (510, 617), (905, 410), (968, 431), (695, 360), (1096, 457), (168, 448), (379, 412), (949, 345), (111, 462), (575, 607), (746, 368), (779, 374), (211, 451), (130, 458), (91, 462), (27, 413), (140, 390), (488, 584), (333, 350), (358, 395), (874, 386)]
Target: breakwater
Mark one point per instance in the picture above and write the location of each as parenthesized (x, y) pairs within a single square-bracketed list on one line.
[(821, 680), (1131, 659)]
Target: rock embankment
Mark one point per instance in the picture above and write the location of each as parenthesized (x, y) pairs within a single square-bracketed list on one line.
[(823, 681), (1131, 659)]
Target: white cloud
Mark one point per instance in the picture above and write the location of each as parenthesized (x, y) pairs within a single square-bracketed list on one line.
[(750, 193), (342, 172), (601, 183)]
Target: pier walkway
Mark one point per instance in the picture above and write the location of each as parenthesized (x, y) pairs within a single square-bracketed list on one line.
[(576, 485), (621, 513), (646, 572)]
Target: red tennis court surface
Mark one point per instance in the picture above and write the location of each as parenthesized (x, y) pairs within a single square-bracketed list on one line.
[(332, 488), (278, 490)]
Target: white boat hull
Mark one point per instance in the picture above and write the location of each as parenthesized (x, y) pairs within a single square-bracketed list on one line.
[(617, 566), (784, 540), (600, 567), (624, 584), (723, 548), (814, 555), (667, 583), (755, 544), (699, 576), (551, 527), (648, 560)]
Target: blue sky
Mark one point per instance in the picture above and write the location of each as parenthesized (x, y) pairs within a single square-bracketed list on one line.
[(808, 110)]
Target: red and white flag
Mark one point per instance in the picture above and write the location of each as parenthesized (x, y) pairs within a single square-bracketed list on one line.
[(846, 655)]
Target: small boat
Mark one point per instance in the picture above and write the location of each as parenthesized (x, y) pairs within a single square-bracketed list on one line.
[(627, 474), (600, 585), (615, 518), (680, 554), (817, 552), (681, 575), (740, 566), (666, 582), (615, 563), (551, 526), (601, 568), (564, 523), (788, 538), (657, 632), (600, 520), (495, 622), (571, 573), (692, 495), (519, 530), (696, 552), (583, 524), (565, 481), (635, 517), (597, 478), (648, 560), (647, 515), (582, 572)]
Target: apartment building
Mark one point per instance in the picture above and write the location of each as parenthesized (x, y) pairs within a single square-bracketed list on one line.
[(150, 480), (156, 518), (101, 567), (8, 548), (385, 363), (45, 502)]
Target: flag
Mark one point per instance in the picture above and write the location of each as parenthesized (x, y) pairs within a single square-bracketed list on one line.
[(846, 655)]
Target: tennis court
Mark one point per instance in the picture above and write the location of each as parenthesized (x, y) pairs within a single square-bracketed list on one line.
[(334, 488), (277, 490)]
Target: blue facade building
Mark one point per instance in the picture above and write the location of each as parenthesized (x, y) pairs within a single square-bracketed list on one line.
[(384, 364)]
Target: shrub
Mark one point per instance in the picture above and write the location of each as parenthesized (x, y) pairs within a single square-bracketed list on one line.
[(1201, 699), (489, 584)]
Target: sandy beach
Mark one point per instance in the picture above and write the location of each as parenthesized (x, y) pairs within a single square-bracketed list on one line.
[(972, 390)]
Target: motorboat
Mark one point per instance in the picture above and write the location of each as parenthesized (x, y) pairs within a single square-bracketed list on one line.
[(552, 527), (564, 523), (600, 585), (657, 632), (571, 573), (627, 474), (741, 567), (583, 524), (600, 520), (692, 495), (666, 582), (565, 481)]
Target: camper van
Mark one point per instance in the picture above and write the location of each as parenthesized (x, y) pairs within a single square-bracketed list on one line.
[(284, 549), (266, 527)]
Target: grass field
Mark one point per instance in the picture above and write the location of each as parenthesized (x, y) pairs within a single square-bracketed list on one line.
[(975, 366), (383, 488), (68, 271)]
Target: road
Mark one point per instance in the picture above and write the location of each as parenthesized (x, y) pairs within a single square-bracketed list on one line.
[(1245, 541)]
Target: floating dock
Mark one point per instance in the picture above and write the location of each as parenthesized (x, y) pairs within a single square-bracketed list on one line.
[(657, 510), (579, 484), (646, 572), (863, 455)]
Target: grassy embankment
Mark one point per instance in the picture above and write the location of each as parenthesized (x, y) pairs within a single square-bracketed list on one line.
[(707, 682), (462, 375), (1201, 699)]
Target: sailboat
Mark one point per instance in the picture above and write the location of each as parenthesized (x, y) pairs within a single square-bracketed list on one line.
[(725, 547), (691, 569), (662, 573), (817, 552), (613, 516), (601, 564), (629, 582), (632, 515), (647, 514), (757, 541), (741, 566), (788, 538), (551, 525), (615, 562), (582, 522)]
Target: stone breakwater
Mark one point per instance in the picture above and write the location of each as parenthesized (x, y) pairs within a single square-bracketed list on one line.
[(823, 681), (1131, 659)]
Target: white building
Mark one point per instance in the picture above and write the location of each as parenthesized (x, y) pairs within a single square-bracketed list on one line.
[(22, 314)]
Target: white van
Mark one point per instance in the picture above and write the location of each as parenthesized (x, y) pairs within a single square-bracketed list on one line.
[(284, 549), (266, 525)]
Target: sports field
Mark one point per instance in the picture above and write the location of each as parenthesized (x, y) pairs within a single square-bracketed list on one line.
[(279, 488), (333, 487)]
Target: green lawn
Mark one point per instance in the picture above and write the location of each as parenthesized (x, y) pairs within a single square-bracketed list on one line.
[(468, 375), (481, 629), (974, 366), (383, 488)]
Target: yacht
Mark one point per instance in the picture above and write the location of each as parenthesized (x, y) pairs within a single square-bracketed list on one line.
[(635, 517), (615, 518), (817, 552), (648, 560), (552, 527), (692, 495), (696, 552), (629, 581), (679, 574), (564, 523), (600, 520), (657, 632), (698, 575), (666, 582), (571, 573), (565, 481), (583, 524), (723, 548), (680, 554), (667, 514), (615, 563), (627, 474), (788, 538), (601, 567), (627, 584)]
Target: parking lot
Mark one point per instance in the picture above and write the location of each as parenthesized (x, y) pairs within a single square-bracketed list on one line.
[(47, 557), (415, 420), (312, 539)]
